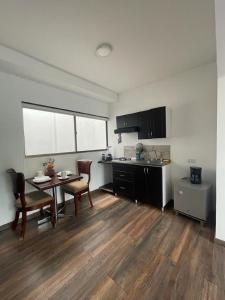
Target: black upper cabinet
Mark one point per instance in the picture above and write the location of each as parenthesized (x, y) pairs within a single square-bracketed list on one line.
[(159, 122), (152, 123), (145, 124), (124, 121), (121, 121)]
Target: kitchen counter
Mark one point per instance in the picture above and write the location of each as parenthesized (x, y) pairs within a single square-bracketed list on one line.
[(144, 163)]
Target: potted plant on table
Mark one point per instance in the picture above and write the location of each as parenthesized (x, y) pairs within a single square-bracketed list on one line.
[(49, 167)]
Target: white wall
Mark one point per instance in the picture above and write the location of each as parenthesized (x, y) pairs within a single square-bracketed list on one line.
[(191, 97), (14, 62), (13, 91), (220, 40)]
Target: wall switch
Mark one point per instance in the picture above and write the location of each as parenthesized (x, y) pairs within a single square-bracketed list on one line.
[(192, 161)]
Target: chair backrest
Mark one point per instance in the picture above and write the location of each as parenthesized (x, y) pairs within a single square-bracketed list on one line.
[(18, 183), (84, 167)]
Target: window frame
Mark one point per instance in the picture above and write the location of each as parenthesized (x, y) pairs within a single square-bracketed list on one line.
[(69, 112), (106, 133)]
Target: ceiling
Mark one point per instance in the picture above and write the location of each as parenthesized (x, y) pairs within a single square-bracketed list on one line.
[(152, 39)]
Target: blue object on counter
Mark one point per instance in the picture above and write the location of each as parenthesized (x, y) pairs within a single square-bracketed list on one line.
[(139, 149)]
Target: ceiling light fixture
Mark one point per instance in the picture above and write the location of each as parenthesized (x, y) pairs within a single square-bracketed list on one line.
[(104, 50)]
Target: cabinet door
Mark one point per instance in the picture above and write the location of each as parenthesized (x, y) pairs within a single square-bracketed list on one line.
[(153, 185), (127, 120), (158, 124), (145, 124), (152, 123), (140, 183), (132, 120), (121, 121)]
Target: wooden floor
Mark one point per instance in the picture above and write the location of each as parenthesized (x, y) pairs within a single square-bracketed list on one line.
[(117, 250)]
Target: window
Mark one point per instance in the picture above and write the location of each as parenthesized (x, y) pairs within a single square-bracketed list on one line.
[(48, 132), (91, 134), (53, 132)]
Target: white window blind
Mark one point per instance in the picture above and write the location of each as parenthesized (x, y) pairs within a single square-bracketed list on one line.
[(48, 132), (91, 134)]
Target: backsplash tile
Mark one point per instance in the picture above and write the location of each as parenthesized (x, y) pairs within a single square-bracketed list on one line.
[(149, 152)]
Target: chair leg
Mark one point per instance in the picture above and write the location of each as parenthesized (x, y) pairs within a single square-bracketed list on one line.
[(23, 224), (63, 200), (76, 203), (52, 207), (79, 197), (42, 213), (15, 222), (90, 200)]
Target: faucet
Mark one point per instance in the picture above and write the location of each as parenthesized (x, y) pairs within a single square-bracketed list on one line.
[(156, 157), (155, 154)]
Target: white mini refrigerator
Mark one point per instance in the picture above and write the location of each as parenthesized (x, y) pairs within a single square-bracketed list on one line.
[(192, 199)]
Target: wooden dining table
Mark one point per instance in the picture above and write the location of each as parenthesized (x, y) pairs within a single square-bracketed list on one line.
[(53, 184)]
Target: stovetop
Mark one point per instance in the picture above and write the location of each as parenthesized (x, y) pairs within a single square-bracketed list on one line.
[(122, 158)]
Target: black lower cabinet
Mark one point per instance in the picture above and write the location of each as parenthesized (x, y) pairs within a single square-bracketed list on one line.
[(138, 183), (126, 188), (149, 185), (153, 186), (124, 180)]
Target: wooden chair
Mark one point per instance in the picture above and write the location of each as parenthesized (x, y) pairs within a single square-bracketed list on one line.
[(77, 188), (28, 202)]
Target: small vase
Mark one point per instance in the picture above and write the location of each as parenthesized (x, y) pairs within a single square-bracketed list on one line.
[(50, 172)]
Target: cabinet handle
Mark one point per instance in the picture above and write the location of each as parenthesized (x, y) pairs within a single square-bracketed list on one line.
[(151, 133), (144, 170), (122, 188), (122, 175), (147, 170)]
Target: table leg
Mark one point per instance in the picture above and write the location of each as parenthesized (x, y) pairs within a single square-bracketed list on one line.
[(54, 191), (58, 213), (48, 218)]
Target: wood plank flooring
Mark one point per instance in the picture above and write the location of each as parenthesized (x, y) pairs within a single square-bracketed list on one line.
[(117, 250)]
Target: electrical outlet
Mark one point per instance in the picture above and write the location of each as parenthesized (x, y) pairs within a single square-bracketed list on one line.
[(192, 161)]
